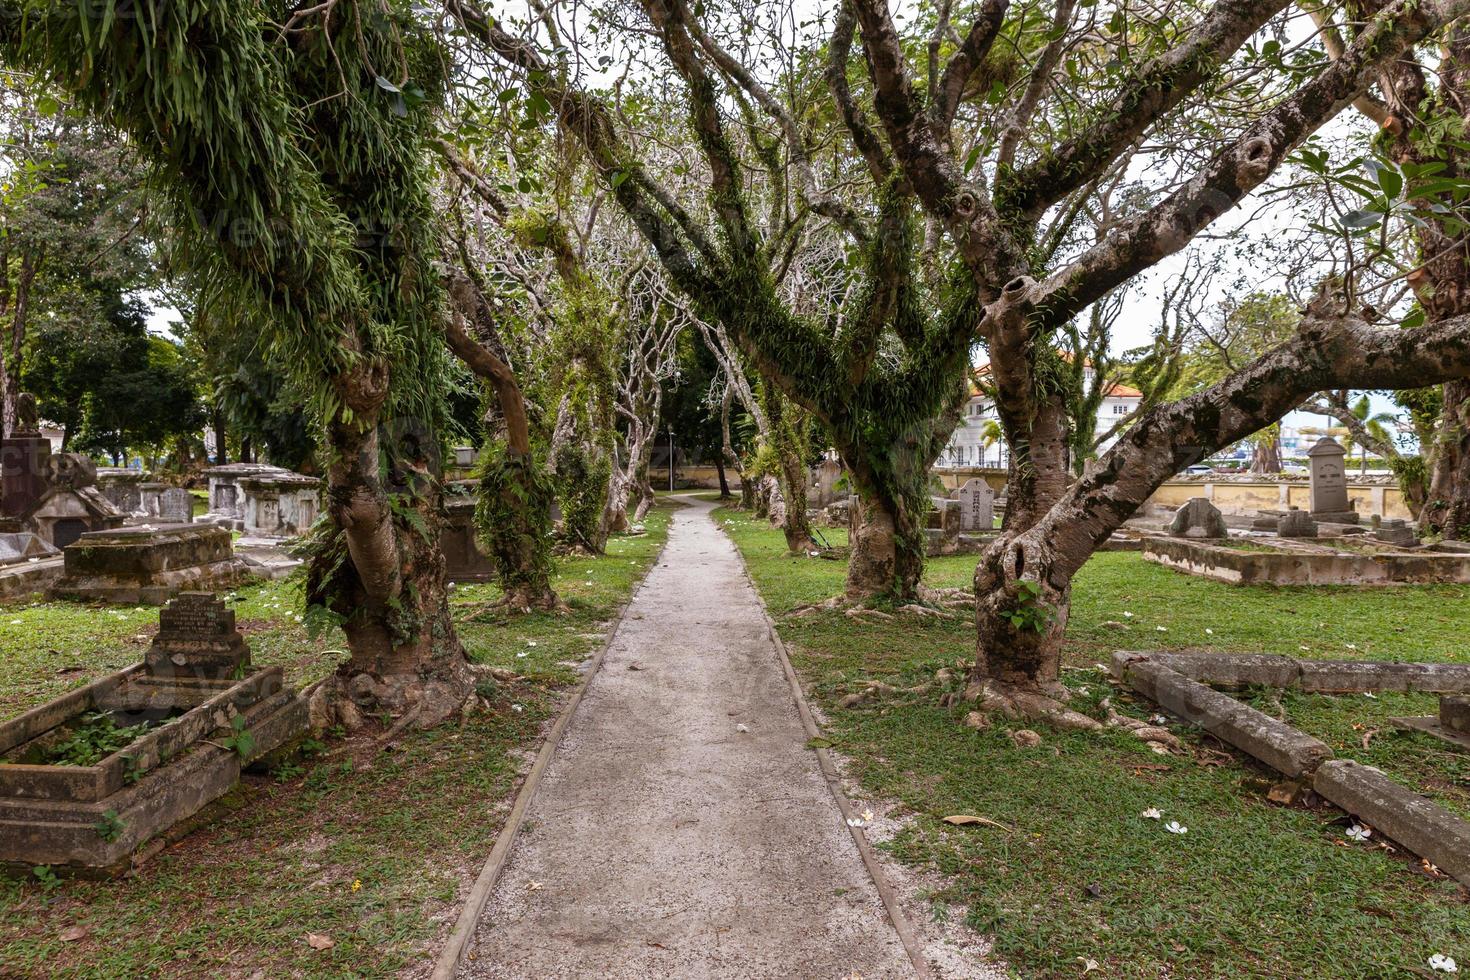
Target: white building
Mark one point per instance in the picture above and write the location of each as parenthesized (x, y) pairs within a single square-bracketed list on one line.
[(977, 440)]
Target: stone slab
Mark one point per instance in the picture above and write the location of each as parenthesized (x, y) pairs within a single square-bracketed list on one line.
[(1283, 748), (1454, 713), (1420, 824), (1431, 725), (1345, 677)]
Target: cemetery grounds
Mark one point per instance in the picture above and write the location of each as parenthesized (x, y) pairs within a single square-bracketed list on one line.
[(1071, 879), (350, 861)]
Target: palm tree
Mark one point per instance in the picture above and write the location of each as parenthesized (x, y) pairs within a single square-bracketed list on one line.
[(990, 434), (1374, 425)]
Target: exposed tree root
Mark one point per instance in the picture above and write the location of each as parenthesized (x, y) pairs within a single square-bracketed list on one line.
[(349, 699), (932, 604), (1027, 704)]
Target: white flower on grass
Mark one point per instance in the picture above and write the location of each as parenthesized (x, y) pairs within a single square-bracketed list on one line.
[(1152, 813), (517, 707), (1127, 615), (530, 643), (1162, 629), (1351, 646), (1359, 833), (1303, 647), (1370, 694), (522, 655), (1441, 963), (1175, 827), (1209, 632)]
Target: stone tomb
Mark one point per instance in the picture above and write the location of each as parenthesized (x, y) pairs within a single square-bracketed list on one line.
[(122, 487), (92, 817), (977, 506), (1306, 561), (197, 638), (463, 559), (148, 566), (226, 500), (1328, 479), (165, 504), (1184, 684), (1296, 523), (279, 504), (1198, 518), (54, 497)]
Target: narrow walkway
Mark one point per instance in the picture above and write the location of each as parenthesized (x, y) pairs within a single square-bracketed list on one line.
[(665, 841)]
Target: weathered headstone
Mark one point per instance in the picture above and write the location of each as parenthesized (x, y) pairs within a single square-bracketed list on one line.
[(1396, 531), (1454, 712), (23, 457), (1328, 480), (176, 506), (1198, 518), (946, 515), (1296, 523), (197, 638), (977, 506)]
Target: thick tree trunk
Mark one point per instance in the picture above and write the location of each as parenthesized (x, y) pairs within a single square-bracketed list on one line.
[(515, 500), (887, 553), (221, 450), (1447, 504), (724, 481), (15, 340), (795, 525), (392, 596), (1019, 636), (1266, 456)]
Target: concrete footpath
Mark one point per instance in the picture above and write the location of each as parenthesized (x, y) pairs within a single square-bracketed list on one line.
[(683, 828)]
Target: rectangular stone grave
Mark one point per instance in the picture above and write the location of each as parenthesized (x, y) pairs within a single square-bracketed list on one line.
[(21, 546), (977, 506), (189, 748), (148, 566)]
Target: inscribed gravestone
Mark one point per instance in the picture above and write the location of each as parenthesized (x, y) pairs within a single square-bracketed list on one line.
[(176, 506), (1328, 478), (977, 506), (197, 638)]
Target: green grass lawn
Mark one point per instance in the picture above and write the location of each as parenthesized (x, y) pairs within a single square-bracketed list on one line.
[(371, 849), (1252, 889)]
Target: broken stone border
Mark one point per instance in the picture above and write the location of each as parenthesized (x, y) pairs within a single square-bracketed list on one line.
[(1181, 683)]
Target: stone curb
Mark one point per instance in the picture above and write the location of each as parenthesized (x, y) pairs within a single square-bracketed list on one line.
[(1178, 682), (1420, 824)]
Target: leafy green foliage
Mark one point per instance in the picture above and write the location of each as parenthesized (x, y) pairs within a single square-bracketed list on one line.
[(110, 827), (94, 737), (240, 741), (1029, 612), (513, 517)]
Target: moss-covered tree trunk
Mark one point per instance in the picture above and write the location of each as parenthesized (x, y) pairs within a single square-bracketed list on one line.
[(513, 515), (1446, 507), (1024, 653), (390, 594)]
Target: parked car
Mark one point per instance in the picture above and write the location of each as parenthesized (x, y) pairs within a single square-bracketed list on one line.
[(1198, 469)]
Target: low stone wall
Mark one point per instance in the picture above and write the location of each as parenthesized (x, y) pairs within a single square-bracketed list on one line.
[(1211, 559), (1245, 497), (1180, 683)]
